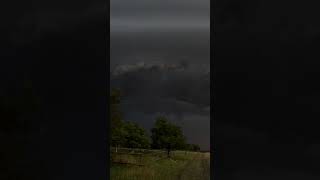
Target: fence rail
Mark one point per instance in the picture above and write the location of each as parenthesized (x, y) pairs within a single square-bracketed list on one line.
[(136, 151), (137, 157)]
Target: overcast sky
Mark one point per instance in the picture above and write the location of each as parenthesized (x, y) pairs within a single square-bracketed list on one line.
[(160, 60)]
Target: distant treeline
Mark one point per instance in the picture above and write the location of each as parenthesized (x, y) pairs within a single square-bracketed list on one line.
[(164, 135)]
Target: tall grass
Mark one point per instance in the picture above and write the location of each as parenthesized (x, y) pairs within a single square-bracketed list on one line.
[(154, 165)]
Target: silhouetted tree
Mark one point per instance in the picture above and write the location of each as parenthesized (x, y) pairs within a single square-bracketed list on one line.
[(166, 135), (136, 137), (123, 133)]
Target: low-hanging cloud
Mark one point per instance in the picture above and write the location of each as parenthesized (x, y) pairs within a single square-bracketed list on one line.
[(163, 83), (170, 89), (160, 62), (142, 66)]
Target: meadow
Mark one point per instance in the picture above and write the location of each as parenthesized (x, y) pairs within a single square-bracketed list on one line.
[(140, 164)]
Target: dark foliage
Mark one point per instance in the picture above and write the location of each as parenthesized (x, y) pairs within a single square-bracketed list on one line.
[(166, 135)]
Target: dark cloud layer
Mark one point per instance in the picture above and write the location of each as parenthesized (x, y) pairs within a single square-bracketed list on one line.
[(157, 15), (172, 89), (168, 46), (161, 9), (179, 85), (160, 60)]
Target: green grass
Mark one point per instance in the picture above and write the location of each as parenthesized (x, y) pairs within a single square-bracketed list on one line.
[(155, 166)]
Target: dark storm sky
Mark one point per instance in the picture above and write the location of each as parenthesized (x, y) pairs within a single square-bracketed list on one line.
[(148, 36)]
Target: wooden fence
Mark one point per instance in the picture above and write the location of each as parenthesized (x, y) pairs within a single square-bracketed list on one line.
[(134, 156)]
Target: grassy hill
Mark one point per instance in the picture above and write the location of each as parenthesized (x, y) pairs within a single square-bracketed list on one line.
[(139, 164)]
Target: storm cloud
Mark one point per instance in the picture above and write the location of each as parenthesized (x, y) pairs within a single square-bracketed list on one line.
[(160, 60), (150, 89), (165, 83), (188, 10)]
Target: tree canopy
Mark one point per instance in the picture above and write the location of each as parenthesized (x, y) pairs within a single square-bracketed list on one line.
[(125, 133), (166, 135), (136, 137)]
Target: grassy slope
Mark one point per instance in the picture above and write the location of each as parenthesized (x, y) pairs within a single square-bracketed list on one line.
[(186, 166)]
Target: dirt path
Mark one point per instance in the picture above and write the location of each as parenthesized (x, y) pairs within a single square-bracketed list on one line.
[(197, 169)]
